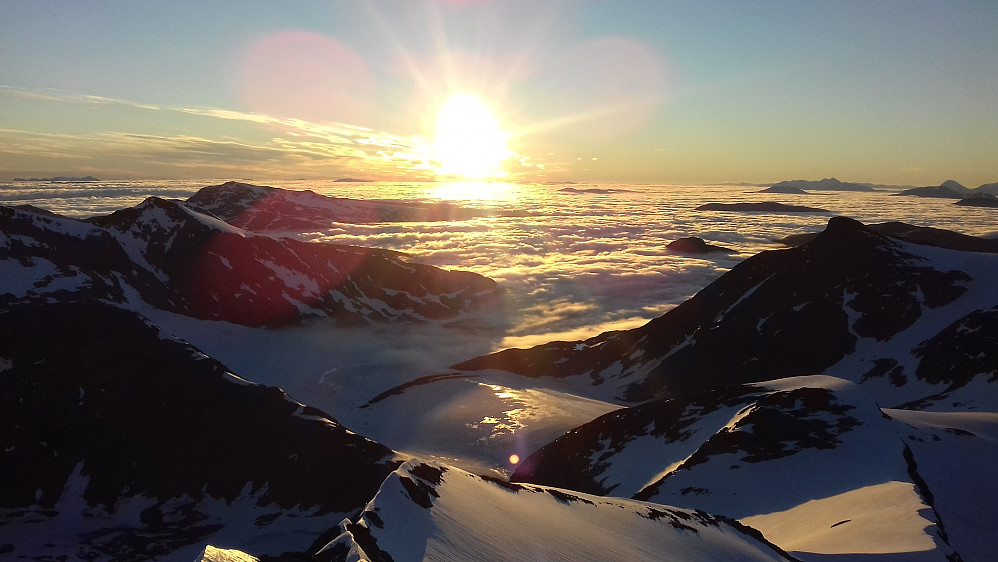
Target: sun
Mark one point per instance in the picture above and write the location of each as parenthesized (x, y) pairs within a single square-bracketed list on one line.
[(469, 141)]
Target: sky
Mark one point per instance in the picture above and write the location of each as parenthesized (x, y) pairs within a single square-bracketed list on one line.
[(900, 92)]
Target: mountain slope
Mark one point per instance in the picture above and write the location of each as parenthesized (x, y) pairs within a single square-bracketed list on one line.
[(118, 441), (429, 512), (270, 209), (854, 303), (810, 460), (175, 257)]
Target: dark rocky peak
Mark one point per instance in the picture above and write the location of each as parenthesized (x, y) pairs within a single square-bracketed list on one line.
[(25, 219), (158, 217), (777, 314), (917, 234), (937, 237), (37, 210), (231, 198)]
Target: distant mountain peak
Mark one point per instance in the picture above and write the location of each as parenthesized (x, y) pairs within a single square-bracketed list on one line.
[(832, 184)]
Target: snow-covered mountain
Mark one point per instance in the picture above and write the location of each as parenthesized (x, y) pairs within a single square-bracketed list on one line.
[(811, 462), (834, 400), (815, 393), (906, 321), (119, 442), (177, 257), (270, 209), (432, 512)]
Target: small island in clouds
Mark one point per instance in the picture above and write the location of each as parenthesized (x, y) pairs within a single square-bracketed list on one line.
[(830, 184), (61, 179)]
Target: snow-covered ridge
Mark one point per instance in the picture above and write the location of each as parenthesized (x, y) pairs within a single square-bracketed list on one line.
[(780, 455), (177, 257), (433, 512), (270, 209), (853, 302)]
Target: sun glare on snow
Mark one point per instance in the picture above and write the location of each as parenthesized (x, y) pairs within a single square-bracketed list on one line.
[(469, 142)]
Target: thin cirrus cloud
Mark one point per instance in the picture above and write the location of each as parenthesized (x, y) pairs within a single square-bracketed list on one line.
[(119, 140)]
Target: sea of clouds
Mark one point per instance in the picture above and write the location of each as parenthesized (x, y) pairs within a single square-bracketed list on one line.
[(575, 261)]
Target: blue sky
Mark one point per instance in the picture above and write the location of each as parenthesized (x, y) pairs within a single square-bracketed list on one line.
[(901, 92)]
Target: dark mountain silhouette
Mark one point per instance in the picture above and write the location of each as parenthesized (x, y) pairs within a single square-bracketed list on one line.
[(917, 234), (103, 416), (837, 303), (981, 199), (948, 190), (827, 184)]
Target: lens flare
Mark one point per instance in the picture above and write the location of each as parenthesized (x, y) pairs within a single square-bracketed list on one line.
[(514, 458)]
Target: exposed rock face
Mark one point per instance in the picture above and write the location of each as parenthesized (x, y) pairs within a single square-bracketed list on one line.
[(694, 245), (101, 416), (783, 313), (176, 257)]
